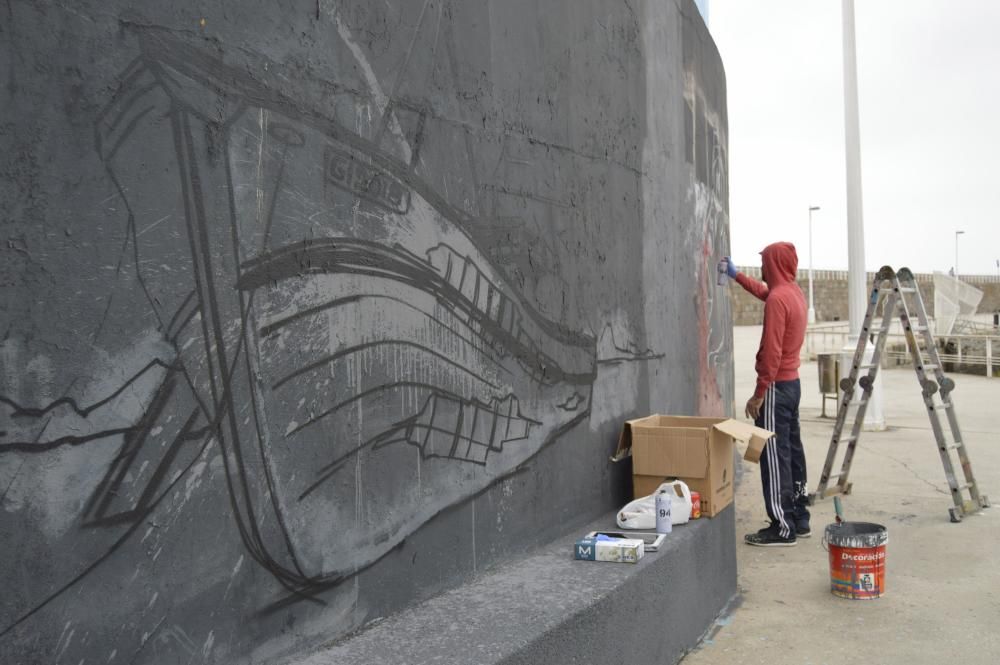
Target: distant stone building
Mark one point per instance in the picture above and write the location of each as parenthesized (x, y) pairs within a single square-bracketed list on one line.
[(830, 295)]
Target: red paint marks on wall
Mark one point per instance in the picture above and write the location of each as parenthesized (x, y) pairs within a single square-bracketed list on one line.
[(709, 395)]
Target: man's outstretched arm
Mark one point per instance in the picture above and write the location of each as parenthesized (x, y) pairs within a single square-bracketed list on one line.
[(755, 287)]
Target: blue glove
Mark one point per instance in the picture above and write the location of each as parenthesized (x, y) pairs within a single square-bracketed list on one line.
[(731, 268)]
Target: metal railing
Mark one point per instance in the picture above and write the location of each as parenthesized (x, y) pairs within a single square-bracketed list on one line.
[(841, 275), (832, 337)]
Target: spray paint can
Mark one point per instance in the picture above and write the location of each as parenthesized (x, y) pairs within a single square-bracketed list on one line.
[(695, 505), (723, 269), (664, 502)]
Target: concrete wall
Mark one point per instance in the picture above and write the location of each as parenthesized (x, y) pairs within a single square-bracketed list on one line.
[(313, 309), (830, 294)]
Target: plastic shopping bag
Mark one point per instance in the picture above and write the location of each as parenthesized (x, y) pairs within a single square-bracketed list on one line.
[(641, 513)]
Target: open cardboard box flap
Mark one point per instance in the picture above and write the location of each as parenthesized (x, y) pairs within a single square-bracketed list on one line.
[(625, 437), (755, 437)]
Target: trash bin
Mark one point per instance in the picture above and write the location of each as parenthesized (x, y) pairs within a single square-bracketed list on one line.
[(829, 377)]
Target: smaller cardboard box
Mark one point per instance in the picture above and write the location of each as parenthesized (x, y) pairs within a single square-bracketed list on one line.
[(698, 451), (619, 550), (651, 542)]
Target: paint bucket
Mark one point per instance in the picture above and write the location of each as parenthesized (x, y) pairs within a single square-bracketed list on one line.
[(857, 559)]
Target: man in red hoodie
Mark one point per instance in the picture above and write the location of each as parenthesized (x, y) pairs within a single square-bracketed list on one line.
[(775, 401)]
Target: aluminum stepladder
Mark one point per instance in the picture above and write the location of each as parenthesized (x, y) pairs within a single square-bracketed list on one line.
[(901, 297)]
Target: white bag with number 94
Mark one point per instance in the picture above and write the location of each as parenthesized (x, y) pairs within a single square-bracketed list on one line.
[(641, 513)]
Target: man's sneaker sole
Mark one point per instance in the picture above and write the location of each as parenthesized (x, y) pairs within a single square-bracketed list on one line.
[(771, 543), (803, 534)]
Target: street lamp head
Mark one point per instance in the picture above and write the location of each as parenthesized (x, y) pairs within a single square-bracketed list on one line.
[(958, 233), (811, 208)]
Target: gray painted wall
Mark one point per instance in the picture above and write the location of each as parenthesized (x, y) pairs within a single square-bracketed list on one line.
[(313, 309)]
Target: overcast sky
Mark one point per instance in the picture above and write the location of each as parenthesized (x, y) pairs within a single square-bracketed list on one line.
[(929, 91)]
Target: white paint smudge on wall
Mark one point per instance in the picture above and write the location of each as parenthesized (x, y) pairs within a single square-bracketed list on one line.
[(381, 99), (64, 644), (232, 576), (193, 480), (206, 648), (57, 483)]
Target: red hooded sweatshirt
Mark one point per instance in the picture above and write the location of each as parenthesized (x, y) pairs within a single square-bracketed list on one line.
[(784, 315)]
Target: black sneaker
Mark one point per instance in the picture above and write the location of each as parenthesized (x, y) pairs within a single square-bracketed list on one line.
[(768, 538), (803, 531)]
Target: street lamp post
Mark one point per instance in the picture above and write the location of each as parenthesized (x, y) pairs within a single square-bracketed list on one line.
[(957, 233), (857, 289), (812, 310)]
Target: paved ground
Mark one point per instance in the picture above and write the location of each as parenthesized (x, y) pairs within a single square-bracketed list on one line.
[(943, 579)]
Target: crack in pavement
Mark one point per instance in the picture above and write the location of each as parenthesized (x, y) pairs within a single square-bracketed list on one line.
[(908, 468)]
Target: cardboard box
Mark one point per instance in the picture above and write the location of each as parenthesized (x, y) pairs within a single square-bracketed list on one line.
[(698, 451), (625, 550)]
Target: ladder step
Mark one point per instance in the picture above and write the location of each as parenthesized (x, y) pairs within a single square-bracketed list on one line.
[(919, 328), (965, 486), (907, 289), (857, 402), (867, 366), (928, 366), (953, 446), (942, 407)]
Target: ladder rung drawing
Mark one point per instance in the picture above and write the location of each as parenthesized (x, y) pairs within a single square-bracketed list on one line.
[(900, 295)]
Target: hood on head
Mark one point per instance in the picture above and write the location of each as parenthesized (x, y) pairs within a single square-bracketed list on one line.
[(779, 262)]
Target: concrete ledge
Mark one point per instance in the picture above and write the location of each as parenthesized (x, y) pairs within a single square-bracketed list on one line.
[(549, 608)]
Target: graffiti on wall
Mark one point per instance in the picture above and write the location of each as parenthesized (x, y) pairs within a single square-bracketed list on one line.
[(340, 341), (708, 194), (306, 335)]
